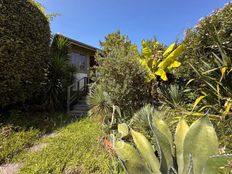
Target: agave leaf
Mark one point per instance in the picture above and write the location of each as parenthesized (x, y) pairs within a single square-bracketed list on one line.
[(216, 164), (169, 49), (181, 131), (201, 142), (197, 101), (146, 150), (123, 129), (164, 139), (132, 161)]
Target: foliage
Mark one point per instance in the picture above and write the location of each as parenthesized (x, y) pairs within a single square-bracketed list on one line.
[(196, 149), (115, 41), (71, 151), (200, 43), (214, 89), (24, 45), (121, 76), (99, 102), (59, 74), (49, 16), (157, 62)]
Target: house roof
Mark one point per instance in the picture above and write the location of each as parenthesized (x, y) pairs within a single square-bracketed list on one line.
[(80, 44)]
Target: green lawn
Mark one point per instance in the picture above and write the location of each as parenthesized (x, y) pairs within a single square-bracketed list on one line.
[(74, 148)]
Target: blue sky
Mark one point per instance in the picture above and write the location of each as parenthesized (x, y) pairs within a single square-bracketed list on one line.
[(89, 21)]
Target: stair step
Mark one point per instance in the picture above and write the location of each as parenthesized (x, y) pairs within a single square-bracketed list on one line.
[(82, 108), (82, 102), (77, 114)]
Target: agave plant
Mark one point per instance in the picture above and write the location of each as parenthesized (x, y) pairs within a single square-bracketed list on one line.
[(194, 149)]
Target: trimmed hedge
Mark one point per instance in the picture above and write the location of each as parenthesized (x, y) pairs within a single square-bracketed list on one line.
[(24, 49)]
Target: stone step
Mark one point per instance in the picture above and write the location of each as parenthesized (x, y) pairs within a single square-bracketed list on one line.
[(81, 107), (76, 114), (82, 101)]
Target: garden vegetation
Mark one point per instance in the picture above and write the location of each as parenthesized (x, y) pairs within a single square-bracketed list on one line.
[(162, 109)]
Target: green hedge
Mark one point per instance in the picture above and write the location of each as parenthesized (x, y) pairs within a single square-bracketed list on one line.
[(24, 49)]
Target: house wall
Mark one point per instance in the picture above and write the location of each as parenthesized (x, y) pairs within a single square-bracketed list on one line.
[(90, 59)]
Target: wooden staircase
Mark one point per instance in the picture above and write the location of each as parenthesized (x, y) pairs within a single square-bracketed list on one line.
[(76, 98)]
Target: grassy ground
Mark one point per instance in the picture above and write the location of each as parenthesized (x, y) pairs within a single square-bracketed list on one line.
[(20, 130), (75, 148)]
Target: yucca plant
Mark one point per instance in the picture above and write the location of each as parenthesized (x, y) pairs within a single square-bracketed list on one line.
[(99, 102), (60, 73), (193, 151)]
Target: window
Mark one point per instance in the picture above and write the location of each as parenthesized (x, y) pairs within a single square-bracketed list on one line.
[(80, 61)]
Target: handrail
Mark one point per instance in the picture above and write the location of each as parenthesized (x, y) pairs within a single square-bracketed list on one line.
[(75, 91)]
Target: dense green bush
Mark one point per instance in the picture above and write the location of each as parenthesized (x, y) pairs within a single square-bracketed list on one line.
[(200, 41), (121, 75), (24, 50)]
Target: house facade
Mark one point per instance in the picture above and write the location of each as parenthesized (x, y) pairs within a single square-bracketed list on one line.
[(82, 56)]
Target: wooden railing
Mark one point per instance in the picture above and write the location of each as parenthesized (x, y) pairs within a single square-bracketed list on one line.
[(75, 91)]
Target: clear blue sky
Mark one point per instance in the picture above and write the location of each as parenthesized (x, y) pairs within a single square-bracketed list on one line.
[(89, 21)]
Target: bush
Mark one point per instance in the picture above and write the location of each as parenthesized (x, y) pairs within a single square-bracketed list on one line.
[(122, 78), (24, 50), (200, 41)]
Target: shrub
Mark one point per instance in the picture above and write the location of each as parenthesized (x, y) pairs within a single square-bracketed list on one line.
[(120, 75), (200, 41), (122, 78), (24, 50)]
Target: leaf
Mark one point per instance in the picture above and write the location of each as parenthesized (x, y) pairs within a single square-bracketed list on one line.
[(123, 129), (228, 107), (150, 63), (171, 57), (164, 140), (146, 150), (216, 164), (162, 74), (223, 70), (169, 49), (150, 77), (200, 142), (147, 52), (175, 64), (197, 101), (181, 131), (128, 154), (191, 80)]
